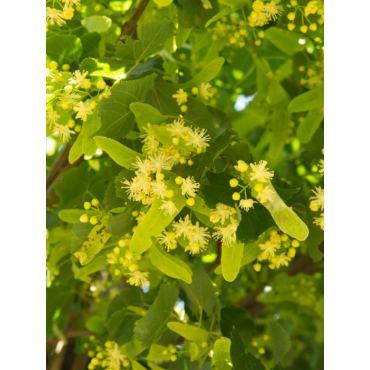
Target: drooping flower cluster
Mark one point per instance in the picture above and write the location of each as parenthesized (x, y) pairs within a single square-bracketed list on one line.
[(310, 9), (278, 250), (226, 231), (70, 100), (264, 12), (195, 234), (124, 262), (317, 201), (181, 96), (56, 16)]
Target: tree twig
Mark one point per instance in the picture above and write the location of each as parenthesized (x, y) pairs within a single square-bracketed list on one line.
[(129, 27)]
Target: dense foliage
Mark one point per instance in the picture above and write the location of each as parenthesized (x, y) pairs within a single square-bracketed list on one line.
[(185, 201)]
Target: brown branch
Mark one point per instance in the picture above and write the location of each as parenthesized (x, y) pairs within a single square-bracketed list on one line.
[(129, 27), (58, 164)]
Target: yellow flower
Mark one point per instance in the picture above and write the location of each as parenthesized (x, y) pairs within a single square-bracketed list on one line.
[(221, 213), (319, 221), (178, 128), (282, 260), (51, 116), (169, 207), (268, 249), (246, 204), (311, 8), (181, 96), (159, 188), (260, 18), (183, 228), (83, 110), (54, 16), (318, 199), (259, 172), (198, 138), (272, 10), (79, 78), (265, 195), (321, 165), (68, 13), (258, 6), (63, 132), (203, 91), (227, 234), (189, 187), (167, 239), (139, 278)]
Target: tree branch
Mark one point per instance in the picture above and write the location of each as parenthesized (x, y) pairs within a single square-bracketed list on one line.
[(129, 27)]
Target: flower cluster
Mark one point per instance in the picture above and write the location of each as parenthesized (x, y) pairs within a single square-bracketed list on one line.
[(317, 201), (227, 224), (70, 100), (111, 358), (278, 250), (314, 75), (311, 8), (181, 96), (56, 16), (196, 235), (124, 262), (264, 12)]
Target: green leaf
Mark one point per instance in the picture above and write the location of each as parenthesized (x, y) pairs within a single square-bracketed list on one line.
[(76, 150), (316, 235), (90, 45), (286, 193), (160, 97), (64, 49), (236, 4), (276, 92), (279, 127), (309, 100), (90, 126), (73, 215), (237, 152), (242, 360), (221, 354), (97, 239), (82, 230), (156, 353), (121, 326), (182, 35), (152, 325), (127, 297), (285, 217), (285, 40), (197, 115), (169, 265), (201, 293), (223, 13), (116, 117), (204, 161), (137, 366), (73, 186), (97, 23), (145, 113), (193, 13), (111, 199), (310, 124), (280, 341), (96, 265), (95, 324), (253, 224), (193, 351), (252, 250), (209, 72), (155, 221), (230, 260), (154, 34), (240, 319), (218, 190), (189, 332), (105, 67), (123, 223), (121, 154)]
